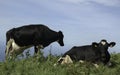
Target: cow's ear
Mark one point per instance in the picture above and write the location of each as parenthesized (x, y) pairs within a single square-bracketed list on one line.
[(94, 44), (111, 44), (60, 32)]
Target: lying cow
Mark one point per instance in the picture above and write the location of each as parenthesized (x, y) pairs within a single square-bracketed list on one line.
[(95, 53), (38, 35)]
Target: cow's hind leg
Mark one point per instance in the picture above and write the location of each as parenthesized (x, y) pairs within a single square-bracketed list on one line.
[(8, 48), (96, 65)]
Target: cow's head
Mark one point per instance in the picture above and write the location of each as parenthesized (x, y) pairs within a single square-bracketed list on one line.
[(60, 38), (103, 46)]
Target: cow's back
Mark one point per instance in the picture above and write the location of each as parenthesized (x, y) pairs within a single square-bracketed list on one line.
[(29, 33)]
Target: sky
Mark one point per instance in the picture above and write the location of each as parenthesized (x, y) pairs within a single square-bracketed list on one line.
[(81, 21)]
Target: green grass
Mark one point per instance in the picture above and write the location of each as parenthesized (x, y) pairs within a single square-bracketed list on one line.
[(44, 66)]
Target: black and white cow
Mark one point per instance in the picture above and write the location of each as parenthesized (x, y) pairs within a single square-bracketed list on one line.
[(95, 53), (37, 35)]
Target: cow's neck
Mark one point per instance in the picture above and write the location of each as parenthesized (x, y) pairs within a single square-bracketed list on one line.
[(51, 37)]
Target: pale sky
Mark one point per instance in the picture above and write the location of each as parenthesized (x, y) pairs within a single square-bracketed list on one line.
[(82, 21)]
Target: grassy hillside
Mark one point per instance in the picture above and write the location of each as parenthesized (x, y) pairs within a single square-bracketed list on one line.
[(44, 66)]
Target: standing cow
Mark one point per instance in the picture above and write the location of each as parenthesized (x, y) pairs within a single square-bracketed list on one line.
[(38, 35), (95, 53)]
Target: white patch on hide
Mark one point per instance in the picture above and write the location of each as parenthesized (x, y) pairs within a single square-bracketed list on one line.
[(66, 60), (81, 61), (15, 46), (18, 49), (8, 46), (96, 65), (103, 43)]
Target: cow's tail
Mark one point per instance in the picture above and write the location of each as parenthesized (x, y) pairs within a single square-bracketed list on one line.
[(9, 35)]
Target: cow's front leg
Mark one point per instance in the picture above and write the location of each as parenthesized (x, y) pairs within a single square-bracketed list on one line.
[(11, 55), (37, 49)]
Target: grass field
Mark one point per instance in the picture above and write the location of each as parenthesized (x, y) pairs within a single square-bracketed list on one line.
[(44, 66)]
